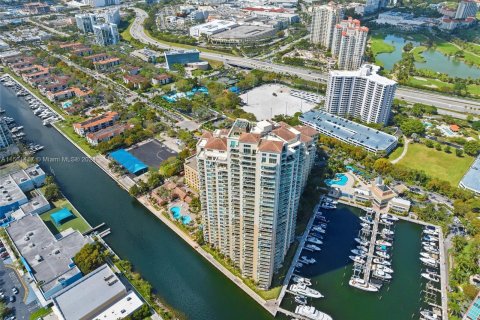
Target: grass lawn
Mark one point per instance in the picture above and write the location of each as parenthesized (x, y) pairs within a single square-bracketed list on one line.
[(449, 49), (77, 223), (396, 153), (437, 164), (40, 313), (378, 45), (126, 33), (417, 53), (67, 129)]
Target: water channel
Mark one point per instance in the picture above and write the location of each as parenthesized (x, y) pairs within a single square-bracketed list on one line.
[(182, 277), (435, 60)]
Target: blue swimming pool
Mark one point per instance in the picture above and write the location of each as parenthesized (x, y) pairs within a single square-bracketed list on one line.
[(175, 212), (340, 180)]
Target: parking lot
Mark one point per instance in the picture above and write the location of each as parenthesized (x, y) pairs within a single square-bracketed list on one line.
[(9, 280), (152, 153)]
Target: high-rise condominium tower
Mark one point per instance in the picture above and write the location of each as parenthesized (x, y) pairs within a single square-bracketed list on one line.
[(348, 44), (362, 94), (251, 179), (324, 19)]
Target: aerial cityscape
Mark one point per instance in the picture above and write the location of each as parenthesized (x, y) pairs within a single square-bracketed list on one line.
[(239, 159)]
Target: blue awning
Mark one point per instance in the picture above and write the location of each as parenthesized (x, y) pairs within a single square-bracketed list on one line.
[(128, 161)]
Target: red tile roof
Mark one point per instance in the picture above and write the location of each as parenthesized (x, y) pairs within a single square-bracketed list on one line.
[(272, 146), (284, 133), (217, 144), (249, 138)]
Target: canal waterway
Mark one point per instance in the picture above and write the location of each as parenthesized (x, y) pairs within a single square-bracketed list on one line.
[(180, 275), (397, 300), (435, 60)]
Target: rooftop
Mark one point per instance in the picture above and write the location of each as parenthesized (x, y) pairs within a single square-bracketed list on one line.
[(243, 32), (97, 291), (368, 71), (49, 258), (471, 179), (347, 130)]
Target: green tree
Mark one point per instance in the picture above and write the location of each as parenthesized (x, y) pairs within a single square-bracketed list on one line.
[(447, 149), (90, 257), (438, 146), (411, 126), (429, 143), (459, 152), (383, 166), (52, 192), (472, 147)]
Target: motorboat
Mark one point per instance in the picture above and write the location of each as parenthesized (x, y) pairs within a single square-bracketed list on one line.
[(386, 222), (329, 200), (383, 243), (365, 225), (429, 315), (382, 254), (429, 243), (360, 284), (431, 249), (361, 242), (387, 232), (366, 220), (428, 237), (381, 248), (363, 248), (383, 268), (301, 300), (357, 259), (320, 230), (314, 240), (386, 237), (323, 219), (430, 277), (317, 235), (307, 260), (328, 206), (359, 252), (303, 290), (382, 261), (430, 232), (428, 255), (382, 275), (317, 228), (312, 247), (298, 265), (299, 279), (311, 313), (388, 216), (429, 262)]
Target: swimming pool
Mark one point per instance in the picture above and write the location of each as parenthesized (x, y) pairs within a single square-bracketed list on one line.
[(340, 180), (175, 212)]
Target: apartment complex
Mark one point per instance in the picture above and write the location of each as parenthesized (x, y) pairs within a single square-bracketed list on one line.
[(190, 170), (466, 9), (361, 94), (348, 44), (5, 135), (106, 34), (97, 123), (250, 181), (324, 20), (85, 22)]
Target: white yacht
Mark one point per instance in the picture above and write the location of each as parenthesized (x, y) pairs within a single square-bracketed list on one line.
[(299, 279), (428, 255), (357, 259), (307, 260), (382, 275), (429, 315), (430, 238), (314, 240), (320, 230), (386, 222), (358, 252), (303, 290), (382, 254), (361, 242), (389, 217), (312, 247), (429, 262), (430, 276), (431, 249), (366, 220), (360, 284), (430, 232), (328, 206), (310, 312), (365, 225), (383, 268), (383, 243), (381, 261), (301, 300)]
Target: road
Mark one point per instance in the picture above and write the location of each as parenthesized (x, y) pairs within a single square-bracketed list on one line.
[(410, 95)]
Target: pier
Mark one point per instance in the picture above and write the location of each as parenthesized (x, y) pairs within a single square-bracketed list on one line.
[(371, 248)]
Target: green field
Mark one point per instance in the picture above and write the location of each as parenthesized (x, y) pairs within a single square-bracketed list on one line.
[(437, 164), (67, 129), (450, 49), (378, 45), (77, 223), (396, 153), (417, 53), (429, 83)]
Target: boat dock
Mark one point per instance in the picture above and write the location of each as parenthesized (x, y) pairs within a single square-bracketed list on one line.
[(371, 248), (443, 275), (291, 314), (286, 281)]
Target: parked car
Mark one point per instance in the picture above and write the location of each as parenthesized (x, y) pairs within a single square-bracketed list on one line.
[(11, 299), (15, 290), (2, 249)]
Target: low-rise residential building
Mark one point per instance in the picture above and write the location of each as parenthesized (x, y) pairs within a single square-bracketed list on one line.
[(106, 64), (97, 123), (94, 138), (37, 7), (350, 132), (161, 79), (98, 295), (67, 94), (137, 81), (13, 188), (190, 169), (97, 57)]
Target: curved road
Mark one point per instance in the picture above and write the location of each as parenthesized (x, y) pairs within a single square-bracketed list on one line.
[(414, 96)]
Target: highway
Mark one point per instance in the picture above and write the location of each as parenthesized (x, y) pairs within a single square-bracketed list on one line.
[(408, 94)]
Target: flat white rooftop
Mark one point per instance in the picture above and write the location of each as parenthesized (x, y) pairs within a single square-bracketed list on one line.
[(122, 308)]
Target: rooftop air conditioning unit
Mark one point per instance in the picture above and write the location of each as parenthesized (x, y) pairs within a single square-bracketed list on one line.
[(31, 245), (38, 258)]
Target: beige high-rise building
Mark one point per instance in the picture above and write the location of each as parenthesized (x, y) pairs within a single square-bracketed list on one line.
[(251, 178), (324, 19), (348, 44)]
